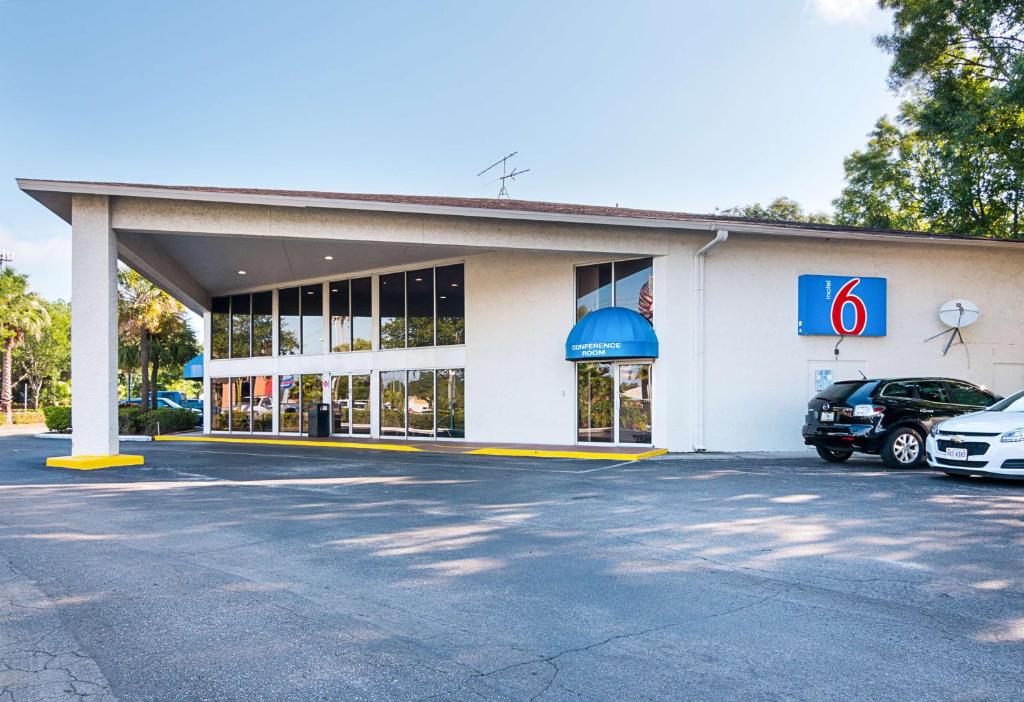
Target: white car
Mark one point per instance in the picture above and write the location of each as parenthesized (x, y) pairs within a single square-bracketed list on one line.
[(989, 443)]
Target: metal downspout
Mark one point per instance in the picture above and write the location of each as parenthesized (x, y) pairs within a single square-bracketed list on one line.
[(721, 236)]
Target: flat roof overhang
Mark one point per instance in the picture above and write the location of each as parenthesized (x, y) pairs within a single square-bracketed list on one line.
[(192, 240)]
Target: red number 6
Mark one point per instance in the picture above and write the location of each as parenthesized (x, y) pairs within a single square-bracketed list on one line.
[(846, 297)]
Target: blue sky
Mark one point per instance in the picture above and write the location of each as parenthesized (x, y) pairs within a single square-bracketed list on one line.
[(684, 105)]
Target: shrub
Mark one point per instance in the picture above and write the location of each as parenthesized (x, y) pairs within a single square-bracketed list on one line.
[(128, 420), (168, 420), (57, 418), (28, 417)]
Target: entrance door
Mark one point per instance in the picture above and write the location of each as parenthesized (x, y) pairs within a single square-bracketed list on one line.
[(350, 404), (613, 403)]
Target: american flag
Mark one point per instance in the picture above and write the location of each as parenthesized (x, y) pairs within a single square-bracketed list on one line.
[(645, 301)]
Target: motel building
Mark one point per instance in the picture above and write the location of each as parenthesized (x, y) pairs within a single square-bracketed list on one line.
[(496, 321)]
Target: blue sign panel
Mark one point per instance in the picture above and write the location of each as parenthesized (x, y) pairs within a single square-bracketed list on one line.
[(611, 332), (836, 305)]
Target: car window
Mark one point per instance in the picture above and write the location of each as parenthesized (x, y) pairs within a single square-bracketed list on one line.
[(837, 392), (898, 390), (967, 394), (931, 390)]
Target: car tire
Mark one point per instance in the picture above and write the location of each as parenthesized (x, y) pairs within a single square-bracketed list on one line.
[(904, 448), (833, 456)]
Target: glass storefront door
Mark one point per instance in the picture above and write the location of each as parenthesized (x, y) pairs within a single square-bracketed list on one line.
[(350, 404), (613, 403)]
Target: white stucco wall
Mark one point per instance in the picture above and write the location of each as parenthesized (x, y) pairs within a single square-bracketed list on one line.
[(758, 367)]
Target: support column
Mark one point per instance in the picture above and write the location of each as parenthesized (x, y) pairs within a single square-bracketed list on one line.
[(94, 432)]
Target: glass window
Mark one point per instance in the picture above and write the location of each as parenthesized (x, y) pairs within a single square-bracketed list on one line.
[(241, 321), (451, 403), (635, 403), (341, 316), (220, 322), (362, 314), (312, 318), (241, 404), (421, 403), (1013, 403), (420, 304), (262, 403), (340, 405), (451, 305), (312, 395), (361, 404), (392, 311), (392, 403), (967, 394), (931, 390), (289, 327), (897, 391), (220, 404), (594, 402), (288, 395), (634, 286), (263, 323), (593, 288)]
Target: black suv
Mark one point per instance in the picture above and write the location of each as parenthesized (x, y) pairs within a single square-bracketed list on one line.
[(890, 417)]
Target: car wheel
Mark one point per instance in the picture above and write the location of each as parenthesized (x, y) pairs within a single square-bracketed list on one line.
[(833, 456), (904, 448)]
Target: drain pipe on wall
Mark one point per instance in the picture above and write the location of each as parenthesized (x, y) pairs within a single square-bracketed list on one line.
[(721, 236)]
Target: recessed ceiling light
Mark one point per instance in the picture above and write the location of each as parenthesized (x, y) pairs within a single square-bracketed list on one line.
[(309, 292), (334, 290), (455, 285), (444, 297), (418, 280), (328, 258), (241, 272)]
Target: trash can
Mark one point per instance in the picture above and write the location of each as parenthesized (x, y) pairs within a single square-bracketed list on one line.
[(318, 421)]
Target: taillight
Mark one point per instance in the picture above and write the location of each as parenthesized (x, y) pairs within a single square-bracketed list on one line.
[(867, 410)]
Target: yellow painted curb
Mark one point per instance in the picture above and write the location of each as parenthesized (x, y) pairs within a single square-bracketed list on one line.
[(585, 455), (94, 462), (288, 442)]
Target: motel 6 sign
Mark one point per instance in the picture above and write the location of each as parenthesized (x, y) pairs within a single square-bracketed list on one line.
[(835, 305)]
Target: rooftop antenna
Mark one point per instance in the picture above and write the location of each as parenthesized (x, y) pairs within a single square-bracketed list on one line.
[(6, 259), (506, 175)]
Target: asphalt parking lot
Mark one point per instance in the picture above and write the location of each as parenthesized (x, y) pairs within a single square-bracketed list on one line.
[(221, 572)]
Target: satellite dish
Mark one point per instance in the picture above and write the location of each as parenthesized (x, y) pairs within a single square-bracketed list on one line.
[(959, 313)]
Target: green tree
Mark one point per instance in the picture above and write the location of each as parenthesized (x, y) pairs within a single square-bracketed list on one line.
[(953, 160), (781, 209), (46, 359), (22, 316), (142, 310), (172, 346)]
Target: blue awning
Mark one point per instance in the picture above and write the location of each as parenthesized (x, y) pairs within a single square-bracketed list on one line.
[(612, 332), (194, 369)]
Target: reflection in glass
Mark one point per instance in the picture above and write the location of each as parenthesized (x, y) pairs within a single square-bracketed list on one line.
[(392, 311), (451, 305), (220, 404), (362, 314), (420, 303), (421, 403), (240, 325), (593, 288), (220, 323), (289, 322), (340, 404), (341, 317), (312, 318), (392, 403), (634, 286), (262, 403), (594, 402), (635, 403), (288, 394), (451, 403), (361, 404), (241, 401), (263, 323), (312, 395)]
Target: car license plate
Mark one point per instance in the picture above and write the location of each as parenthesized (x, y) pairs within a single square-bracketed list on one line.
[(827, 416), (957, 454)]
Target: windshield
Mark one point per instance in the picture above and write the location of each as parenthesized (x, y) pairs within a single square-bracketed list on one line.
[(170, 403), (1014, 403)]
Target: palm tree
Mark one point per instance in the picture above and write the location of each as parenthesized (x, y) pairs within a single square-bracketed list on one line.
[(174, 345), (142, 309), (22, 315)]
